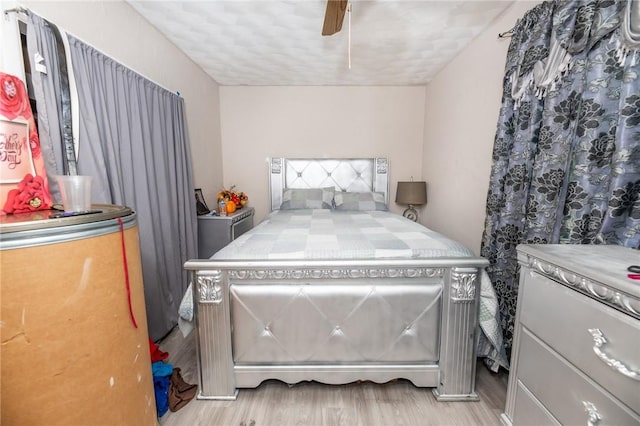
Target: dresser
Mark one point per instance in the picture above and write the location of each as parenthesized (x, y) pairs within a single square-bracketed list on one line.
[(215, 232), (576, 350)]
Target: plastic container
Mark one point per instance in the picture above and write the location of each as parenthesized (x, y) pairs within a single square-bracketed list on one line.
[(222, 208), (76, 192)]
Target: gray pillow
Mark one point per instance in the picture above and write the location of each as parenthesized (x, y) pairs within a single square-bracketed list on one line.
[(361, 201), (307, 198)]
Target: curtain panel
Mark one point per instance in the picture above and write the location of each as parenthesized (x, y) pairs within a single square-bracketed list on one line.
[(133, 141), (41, 43), (566, 156)]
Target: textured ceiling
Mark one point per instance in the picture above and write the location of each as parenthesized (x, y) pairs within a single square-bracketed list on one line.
[(273, 42)]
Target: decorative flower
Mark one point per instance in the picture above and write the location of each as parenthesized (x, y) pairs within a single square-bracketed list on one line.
[(14, 101), (625, 200), (602, 148), (567, 110), (545, 139), (30, 195), (586, 228), (533, 210), (532, 55), (240, 199), (548, 185), (631, 110), (516, 177), (537, 240), (524, 115), (584, 18), (494, 202), (590, 115), (34, 142), (576, 197), (500, 148), (508, 237)]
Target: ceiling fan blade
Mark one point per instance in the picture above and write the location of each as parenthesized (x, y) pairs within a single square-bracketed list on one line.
[(334, 16)]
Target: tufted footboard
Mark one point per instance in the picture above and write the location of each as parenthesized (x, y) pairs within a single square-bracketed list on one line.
[(337, 322)]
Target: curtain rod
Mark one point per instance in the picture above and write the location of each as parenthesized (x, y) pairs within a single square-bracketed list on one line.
[(25, 11), (16, 10)]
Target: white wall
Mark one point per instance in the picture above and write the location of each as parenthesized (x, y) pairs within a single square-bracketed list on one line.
[(262, 122), (116, 29), (443, 134), (461, 113)]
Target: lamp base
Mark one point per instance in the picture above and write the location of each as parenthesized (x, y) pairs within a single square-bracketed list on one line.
[(411, 213)]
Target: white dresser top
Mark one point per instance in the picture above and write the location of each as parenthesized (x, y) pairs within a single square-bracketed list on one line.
[(604, 265)]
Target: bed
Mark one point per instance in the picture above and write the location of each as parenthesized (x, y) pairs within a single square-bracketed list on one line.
[(333, 288)]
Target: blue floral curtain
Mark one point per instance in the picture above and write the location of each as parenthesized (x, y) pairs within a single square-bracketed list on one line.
[(566, 157)]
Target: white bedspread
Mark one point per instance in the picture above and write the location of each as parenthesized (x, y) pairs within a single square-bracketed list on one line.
[(332, 234)]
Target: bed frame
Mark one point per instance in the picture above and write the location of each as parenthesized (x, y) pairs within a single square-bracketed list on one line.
[(336, 321)]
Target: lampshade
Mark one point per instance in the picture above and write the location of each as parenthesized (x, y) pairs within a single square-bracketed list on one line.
[(413, 193)]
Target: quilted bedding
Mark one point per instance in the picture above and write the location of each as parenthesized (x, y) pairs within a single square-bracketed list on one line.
[(333, 234)]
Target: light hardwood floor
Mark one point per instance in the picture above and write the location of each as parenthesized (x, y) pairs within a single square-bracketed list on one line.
[(275, 403)]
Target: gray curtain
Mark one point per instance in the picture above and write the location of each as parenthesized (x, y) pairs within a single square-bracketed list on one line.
[(46, 86), (133, 140), (566, 157)]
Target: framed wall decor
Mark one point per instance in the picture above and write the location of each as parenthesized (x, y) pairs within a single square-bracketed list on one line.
[(23, 179), (15, 151), (201, 205)]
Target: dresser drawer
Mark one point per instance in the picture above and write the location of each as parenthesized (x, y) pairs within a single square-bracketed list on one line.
[(529, 411), (562, 318), (564, 390)]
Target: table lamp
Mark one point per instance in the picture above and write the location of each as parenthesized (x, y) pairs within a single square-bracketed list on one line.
[(413, 194)]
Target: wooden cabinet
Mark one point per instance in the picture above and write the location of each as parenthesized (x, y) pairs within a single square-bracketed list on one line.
[(576, 356), (215, 232)]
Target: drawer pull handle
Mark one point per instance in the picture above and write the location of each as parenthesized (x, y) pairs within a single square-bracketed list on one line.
[(592, 411), (598, 342)]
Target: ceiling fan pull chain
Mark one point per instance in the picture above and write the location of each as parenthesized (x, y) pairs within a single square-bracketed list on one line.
[(349, 48)]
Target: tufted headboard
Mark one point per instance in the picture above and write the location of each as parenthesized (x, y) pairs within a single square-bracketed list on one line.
[(345, 174)]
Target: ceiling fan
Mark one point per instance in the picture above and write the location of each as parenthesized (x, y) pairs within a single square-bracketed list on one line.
[(333, 16)]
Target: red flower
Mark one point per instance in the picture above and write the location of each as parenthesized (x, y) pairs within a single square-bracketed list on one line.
[(14, 101), (34, 141), (30, 195)]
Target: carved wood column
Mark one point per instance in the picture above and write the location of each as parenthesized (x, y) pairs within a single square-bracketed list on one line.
[(460, 301), (213, 343)]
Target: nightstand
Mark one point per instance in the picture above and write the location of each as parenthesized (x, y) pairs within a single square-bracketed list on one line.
[(215, 232)]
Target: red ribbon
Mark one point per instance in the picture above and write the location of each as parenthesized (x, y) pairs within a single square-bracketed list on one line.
[(126, 272)]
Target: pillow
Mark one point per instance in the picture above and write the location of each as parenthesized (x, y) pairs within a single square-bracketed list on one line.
[(307, 198), (360, 201)]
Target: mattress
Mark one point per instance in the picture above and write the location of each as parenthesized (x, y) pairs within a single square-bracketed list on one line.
[(334, 234)]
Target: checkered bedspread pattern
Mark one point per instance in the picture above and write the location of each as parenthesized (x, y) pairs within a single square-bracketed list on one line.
[(330, 234)]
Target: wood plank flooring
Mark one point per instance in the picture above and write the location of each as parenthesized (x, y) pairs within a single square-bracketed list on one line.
[(275, 403)]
